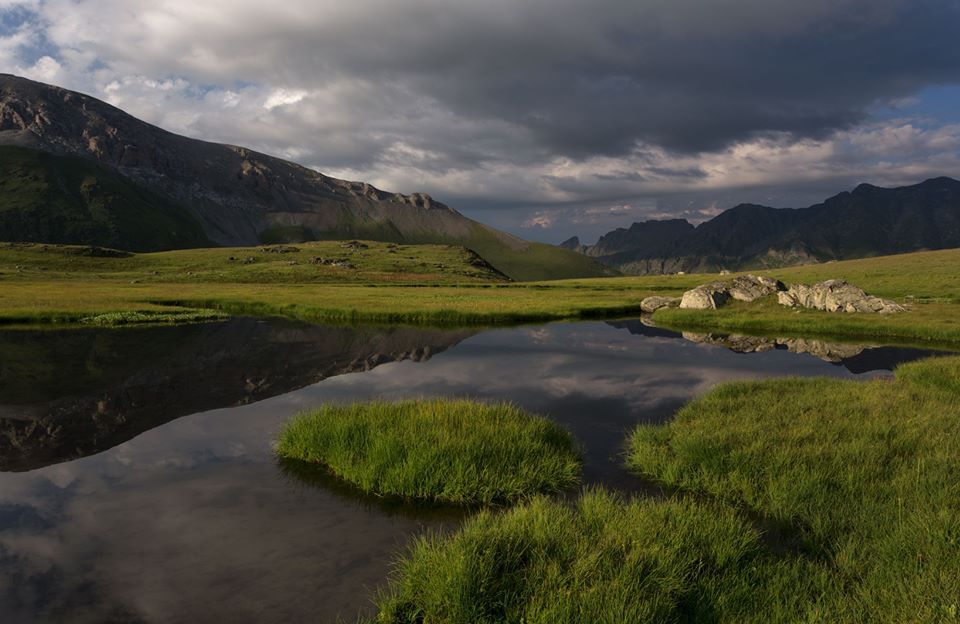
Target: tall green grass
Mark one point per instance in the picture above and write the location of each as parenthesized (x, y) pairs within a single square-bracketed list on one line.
[(866, 473), (440, 450), (601, 559)]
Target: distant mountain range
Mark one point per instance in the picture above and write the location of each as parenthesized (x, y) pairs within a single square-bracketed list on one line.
[(74, 169), (868, 221)]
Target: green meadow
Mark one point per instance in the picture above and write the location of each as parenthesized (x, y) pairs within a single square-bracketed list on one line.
[(437, 284)]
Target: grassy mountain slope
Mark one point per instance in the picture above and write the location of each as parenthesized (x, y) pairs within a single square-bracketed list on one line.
[(65, 199)]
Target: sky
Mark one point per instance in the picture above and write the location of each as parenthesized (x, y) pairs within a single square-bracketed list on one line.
[(546, 118)]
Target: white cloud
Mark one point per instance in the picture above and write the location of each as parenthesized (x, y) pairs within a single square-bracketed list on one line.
[(283, 97)]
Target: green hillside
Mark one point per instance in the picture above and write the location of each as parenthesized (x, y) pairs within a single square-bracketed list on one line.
[(63, 199)]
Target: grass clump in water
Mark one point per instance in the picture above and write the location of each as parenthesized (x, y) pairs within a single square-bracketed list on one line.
[(440, 450), (134, 317), (600, 560), (865, 472)]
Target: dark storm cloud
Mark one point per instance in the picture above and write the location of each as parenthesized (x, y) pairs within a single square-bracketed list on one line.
[(580, 78)]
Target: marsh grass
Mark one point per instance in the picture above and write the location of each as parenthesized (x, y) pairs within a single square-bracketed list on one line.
[(600, 559), (866, 472), (438, 450)]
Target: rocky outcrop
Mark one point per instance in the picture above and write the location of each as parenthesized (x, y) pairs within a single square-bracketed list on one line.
[(751, 287), (652, 304), (706, 297), (572, 243), (836, 296)]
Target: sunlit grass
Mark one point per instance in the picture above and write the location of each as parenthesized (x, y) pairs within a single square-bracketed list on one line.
[(441, 450), (865, 472), (601, 559)]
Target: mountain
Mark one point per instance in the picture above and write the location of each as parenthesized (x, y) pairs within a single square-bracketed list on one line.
[(88, 173), (571, 243), (868, 221)]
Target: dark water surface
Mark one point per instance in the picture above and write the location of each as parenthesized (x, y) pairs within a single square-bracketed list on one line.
[(138, 483)]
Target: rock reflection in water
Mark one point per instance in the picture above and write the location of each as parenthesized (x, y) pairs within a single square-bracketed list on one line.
[(67, 394), (826, 351)]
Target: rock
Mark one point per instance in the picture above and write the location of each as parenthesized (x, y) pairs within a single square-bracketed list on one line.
[(652, 304), (355, 245), (724, 272), (752, 287), (705, 297), (836, 296)]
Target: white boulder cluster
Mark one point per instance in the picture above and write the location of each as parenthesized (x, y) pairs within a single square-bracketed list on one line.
[(836, 296), (831, 296)]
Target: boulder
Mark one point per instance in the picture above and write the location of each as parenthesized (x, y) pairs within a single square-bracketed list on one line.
[(652, 304), (705, 297), (752, 287), (836, 296)]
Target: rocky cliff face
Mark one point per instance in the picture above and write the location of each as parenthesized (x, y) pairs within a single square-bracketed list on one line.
[(869, 221)]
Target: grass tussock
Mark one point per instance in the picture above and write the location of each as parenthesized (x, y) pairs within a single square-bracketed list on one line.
[(439, 450), (865, 472), (599, 560)]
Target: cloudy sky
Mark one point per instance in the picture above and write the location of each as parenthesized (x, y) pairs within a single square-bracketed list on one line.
[(544, 117)]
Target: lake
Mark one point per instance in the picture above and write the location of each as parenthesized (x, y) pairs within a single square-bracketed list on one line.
[(138, 481)]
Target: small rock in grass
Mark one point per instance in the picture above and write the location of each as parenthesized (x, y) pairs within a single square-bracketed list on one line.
[(652, 304)]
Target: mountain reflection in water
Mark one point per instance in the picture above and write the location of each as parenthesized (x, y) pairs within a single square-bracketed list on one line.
[(66, 394)]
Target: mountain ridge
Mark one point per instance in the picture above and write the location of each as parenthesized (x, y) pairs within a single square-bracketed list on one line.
[(242, 197), (867, 221)]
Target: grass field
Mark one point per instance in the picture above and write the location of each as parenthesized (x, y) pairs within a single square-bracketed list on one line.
[(864, 475), (438, 450), (435, 284)]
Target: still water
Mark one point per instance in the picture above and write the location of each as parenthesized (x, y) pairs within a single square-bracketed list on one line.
[(138, 482)]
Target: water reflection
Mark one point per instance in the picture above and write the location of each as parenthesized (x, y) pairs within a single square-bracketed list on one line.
[(192, 520), (67, 394)]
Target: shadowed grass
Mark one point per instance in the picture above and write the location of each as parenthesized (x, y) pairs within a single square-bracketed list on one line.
[(867, 472), (441, 450), (600, 560)]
